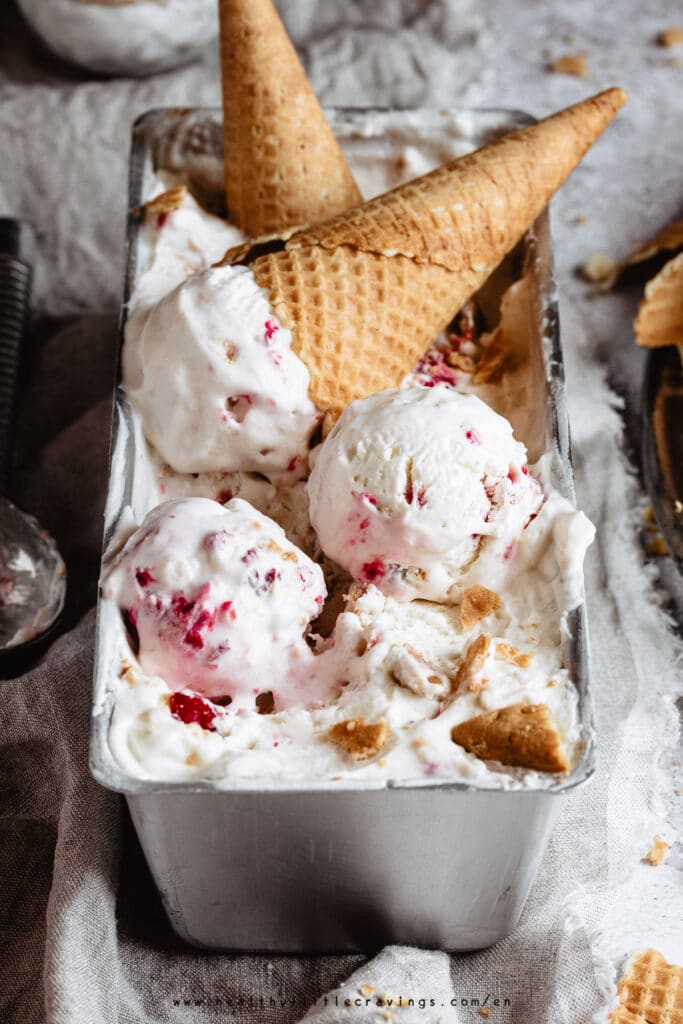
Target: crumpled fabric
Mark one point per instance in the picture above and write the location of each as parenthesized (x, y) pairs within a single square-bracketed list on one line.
[(83, 937)]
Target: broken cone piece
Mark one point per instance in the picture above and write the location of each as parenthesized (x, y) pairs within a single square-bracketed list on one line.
[(660, 314), (650, 990), (477, 603), (360, 739), (520, 734)]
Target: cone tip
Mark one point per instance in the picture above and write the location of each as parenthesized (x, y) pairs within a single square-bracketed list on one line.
[(615, 96)]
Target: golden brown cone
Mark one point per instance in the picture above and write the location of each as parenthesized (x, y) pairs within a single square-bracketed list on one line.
[(660, 314), (366, 293), (470, 212), (359, 321), (520, 734), (283, 165)]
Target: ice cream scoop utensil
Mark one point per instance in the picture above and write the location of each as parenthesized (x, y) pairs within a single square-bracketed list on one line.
[(32, 573)]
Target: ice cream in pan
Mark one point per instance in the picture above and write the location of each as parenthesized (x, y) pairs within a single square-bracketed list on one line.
[(446, 660)]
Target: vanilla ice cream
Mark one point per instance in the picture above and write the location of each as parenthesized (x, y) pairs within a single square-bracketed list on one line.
[(410, 484), (400, 667), (213, 376), (466, 559), (173, 244), (216, 599)]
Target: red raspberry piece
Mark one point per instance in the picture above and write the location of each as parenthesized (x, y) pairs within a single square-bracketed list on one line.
[(270, 328), (373, 570), (190, 707)]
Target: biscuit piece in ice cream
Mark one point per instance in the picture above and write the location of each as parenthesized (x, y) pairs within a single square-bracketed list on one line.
[(365, 293), (477, 603), (520, 734), (361, 740)]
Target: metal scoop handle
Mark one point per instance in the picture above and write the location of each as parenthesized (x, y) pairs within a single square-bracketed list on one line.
[(15, 293)]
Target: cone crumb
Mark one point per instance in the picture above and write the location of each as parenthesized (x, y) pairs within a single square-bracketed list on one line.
[(477, 603), (672, 36), (657, 547), (522, 659), (359, 739), (656, 854), (571, 64), (168, 201), (473, 661), (600, 268)]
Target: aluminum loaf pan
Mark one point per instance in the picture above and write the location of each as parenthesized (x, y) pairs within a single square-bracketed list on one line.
[(290, 866)]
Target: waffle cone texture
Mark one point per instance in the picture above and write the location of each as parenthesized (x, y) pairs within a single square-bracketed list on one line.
[(366, 292), (650, 992), (283, 165)]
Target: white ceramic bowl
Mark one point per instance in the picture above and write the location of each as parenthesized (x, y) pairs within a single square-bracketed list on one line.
[(133, 37)]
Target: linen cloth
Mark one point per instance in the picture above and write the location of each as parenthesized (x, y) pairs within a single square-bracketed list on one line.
[(83, 939)]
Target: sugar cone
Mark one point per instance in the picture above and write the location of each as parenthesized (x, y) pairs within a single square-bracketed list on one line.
[(470, 212), (283, 165), (365, 293)]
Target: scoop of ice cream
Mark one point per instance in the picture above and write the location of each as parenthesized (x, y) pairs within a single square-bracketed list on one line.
[(410, 484), (176, 239), (212, 374), (217, 599)]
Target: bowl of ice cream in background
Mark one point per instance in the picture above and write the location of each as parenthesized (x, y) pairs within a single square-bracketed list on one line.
[(124, 37)]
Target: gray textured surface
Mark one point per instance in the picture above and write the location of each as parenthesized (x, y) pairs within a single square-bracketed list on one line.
[(67, 867)]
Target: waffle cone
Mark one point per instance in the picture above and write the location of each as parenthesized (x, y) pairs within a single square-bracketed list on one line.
[(366, 293), (359, 321), (283, 165), (470, 212), (660, 314)]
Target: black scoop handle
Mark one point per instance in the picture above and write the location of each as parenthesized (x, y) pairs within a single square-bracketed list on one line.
[(15, 293)]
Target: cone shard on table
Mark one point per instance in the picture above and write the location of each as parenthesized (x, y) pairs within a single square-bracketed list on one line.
[(650, 991), (660, 314), (283, 165), (366, 292)]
